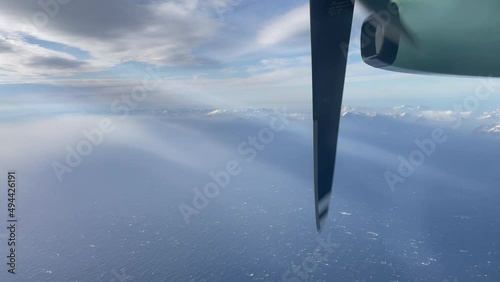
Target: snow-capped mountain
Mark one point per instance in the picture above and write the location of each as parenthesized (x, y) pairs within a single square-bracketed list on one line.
[(483, 123), (405, 112), (489, 129), (495, 114)]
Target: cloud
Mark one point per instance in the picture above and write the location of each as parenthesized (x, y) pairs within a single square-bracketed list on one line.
[(293, 25), (157, 32), (6, 49), (270, 64), (55, 62), (19, 58)]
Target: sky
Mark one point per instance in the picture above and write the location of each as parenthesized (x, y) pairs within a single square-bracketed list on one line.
[(82, 56), (72, 54)]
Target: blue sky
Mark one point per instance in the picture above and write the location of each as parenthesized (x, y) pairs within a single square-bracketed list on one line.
[(222, 53)]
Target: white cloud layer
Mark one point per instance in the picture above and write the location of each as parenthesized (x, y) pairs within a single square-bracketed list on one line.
[(159, 32), (291, 25)]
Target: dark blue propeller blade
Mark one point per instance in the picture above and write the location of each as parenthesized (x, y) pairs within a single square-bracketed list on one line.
[(331, 22)]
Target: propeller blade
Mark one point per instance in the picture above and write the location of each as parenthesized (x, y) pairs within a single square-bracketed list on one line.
[(331, 23)]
